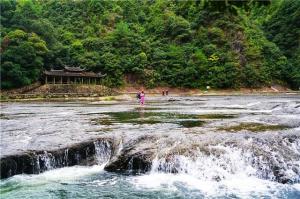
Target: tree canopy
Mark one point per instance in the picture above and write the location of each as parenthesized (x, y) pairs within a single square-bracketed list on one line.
[(193, 44)]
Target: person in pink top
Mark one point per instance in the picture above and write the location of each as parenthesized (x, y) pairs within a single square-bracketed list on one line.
[(142, 98)]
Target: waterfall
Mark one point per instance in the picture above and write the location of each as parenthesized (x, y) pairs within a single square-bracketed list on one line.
[(103, 151), (275, 161), (66, 157), (205, 167), (46, 161), (88, 153)]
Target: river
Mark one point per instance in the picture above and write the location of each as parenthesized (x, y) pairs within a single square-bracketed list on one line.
[(173, 147)]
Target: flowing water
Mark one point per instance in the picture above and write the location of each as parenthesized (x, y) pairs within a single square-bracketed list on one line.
[(196, 147)]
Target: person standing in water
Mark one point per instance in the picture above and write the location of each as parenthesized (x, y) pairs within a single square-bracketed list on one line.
[(142, 98), (138, 96)]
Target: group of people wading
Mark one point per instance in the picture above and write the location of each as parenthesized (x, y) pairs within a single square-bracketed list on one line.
[(141, 96)]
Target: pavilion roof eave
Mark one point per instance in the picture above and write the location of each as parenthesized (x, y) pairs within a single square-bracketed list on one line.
[(71, 74)]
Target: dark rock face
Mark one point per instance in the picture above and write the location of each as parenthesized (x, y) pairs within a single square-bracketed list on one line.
[(17, 164), (136, 163), (135, 157), (150, 152), (35, 162)]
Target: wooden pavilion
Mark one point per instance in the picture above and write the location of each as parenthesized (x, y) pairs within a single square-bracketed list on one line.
[(72, 75)]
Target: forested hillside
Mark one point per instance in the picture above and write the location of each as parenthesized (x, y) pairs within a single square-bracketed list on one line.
[(223, 44)]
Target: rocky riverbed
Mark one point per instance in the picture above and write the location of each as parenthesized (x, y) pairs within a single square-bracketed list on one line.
[(212, 139)]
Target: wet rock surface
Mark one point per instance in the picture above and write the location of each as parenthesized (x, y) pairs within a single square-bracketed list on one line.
[(133, 157), (205, 137)]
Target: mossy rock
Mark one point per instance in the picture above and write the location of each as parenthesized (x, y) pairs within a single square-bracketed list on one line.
[(191, 123), (216, 116), (253, 127), (3, 116)]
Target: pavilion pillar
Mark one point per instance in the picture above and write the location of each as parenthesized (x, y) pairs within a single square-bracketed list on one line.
[(54, 80), (82, 80), (46, 80), (89, 80), (60, 79)]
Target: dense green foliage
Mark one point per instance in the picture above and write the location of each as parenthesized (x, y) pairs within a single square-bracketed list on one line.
[(285, 33), (223, 44)]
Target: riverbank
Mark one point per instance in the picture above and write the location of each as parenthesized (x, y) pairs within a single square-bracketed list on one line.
[(125, 96), (207, 91), (101, 93), (54, 92)]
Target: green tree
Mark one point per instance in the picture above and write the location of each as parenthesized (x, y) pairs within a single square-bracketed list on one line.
[(22, 59)]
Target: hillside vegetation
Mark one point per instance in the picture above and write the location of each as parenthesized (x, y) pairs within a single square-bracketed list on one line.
[(193, 44)]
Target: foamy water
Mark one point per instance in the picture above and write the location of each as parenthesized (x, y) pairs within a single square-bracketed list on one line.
[(93, 182), (240, 186)]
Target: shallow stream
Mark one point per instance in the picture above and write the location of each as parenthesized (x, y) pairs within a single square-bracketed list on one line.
[(197, 147)]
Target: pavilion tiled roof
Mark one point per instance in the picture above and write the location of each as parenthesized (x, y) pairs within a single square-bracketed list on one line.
[(73, 72), (74, 69)]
